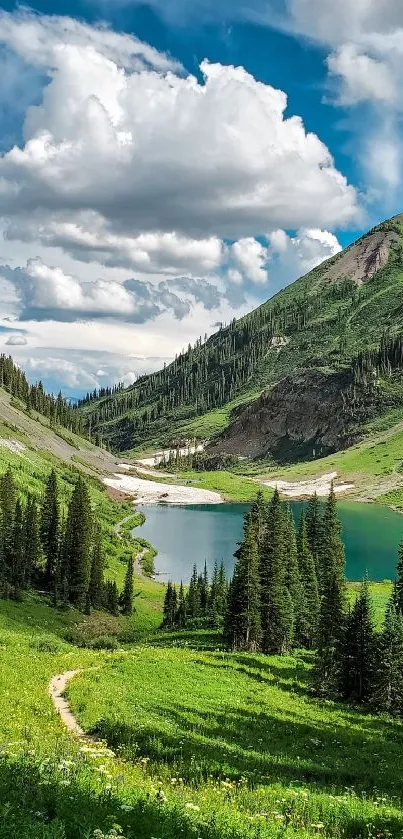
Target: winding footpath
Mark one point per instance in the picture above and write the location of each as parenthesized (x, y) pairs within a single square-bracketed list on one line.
[(57, 686)]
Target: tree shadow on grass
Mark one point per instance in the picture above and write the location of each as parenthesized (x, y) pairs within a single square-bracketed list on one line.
[(232, 742)]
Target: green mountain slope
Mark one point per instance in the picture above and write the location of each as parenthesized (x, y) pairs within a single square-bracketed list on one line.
[(321, 322)]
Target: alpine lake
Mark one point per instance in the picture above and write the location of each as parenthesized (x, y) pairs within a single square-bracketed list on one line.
[(184, 535)]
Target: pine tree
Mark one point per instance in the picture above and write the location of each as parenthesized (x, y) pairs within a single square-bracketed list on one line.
[(399, 579), (204, 591), (387, 688), (193, 596), (358, 650), (259, 517), (8, 499), (96, 585), (127, 594), (276, 607), (307, 624), (32, 544), (50, 525), (242, 624), (333, 604), (112, 598), (314, 529), (170, 606), (77, 545), (17, 568), (292, 574), (180, 617)]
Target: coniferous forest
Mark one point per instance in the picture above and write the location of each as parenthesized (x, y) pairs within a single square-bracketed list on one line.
[(56, 550), (289, 591)]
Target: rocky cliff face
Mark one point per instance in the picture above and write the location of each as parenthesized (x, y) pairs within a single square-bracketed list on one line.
[(306, 415)]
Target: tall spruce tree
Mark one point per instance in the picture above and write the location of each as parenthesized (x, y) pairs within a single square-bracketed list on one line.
[(32, 544), (314, 529), (333, 603), (77, 547), (18, 566), (170, 606), (180, 617), (309, 616), (8, 499), (193, 596), (292, 574), (96, 585), (277, 619), (242, 624), (111, 597), (50, 527), (387, 687), (358, 650), (127, 594), (399, 579), (259, 517)]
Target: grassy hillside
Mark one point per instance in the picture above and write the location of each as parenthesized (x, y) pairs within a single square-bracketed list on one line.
[(321, 321), (31, 448), (203, 744)]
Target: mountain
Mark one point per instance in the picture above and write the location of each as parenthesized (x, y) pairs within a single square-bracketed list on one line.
[(291, 376)]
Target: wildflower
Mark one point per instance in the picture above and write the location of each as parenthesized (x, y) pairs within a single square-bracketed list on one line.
[(192, 806)]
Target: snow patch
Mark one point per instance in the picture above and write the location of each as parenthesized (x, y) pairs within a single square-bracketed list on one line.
[(302, 489), (151, 492)]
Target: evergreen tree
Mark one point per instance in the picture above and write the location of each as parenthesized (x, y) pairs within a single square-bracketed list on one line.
[(222, 591), (314, 529), (204, 592), (399, 579), (292, 574), (259, 517), (17, 568), (8, 499), (127, 594), (50, 525), (96, 585), (32, 544), (242, 624), (276, 606), (333, 603), (307, 624), (77, 545), (180, 617), (112, 598), (387, 688), (358, 650), (170, 606), (193, 596)]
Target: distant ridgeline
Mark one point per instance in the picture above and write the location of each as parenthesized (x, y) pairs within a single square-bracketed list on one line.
[(44, 550), (56, 409), (329, 320)]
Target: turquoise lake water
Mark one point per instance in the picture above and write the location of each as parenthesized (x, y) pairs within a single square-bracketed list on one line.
[(184, 535)]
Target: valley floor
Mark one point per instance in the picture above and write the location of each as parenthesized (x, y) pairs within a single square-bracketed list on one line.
[(196, 742)]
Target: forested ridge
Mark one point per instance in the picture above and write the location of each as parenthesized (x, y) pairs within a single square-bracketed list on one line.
[(55, 408), (321, 321)]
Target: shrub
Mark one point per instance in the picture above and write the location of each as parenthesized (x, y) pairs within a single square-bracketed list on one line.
[(46, 644), (104, 642)]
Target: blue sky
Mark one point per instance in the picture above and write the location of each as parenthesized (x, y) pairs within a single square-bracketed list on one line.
[(167, 166)]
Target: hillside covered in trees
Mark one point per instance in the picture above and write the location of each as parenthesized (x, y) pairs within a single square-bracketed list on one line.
[(327, 322)]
